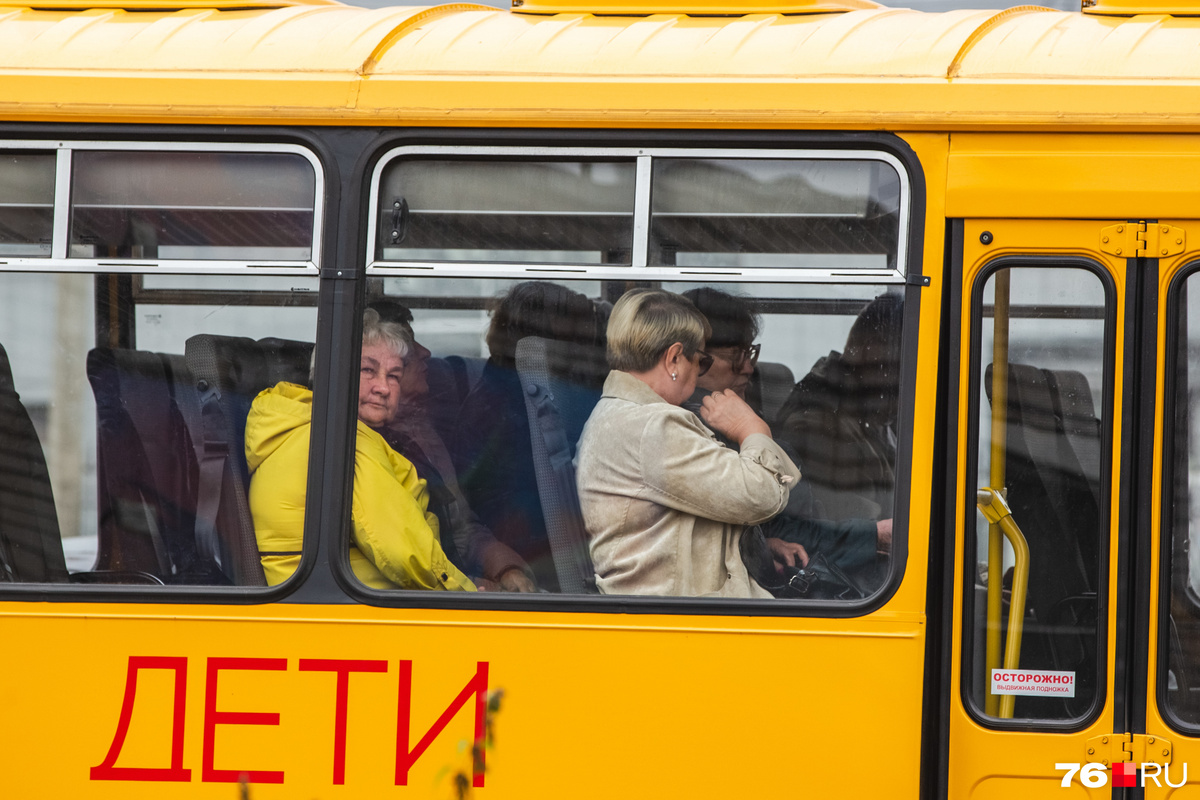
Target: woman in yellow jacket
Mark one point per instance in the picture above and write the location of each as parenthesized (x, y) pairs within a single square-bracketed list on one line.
[(395, 542)]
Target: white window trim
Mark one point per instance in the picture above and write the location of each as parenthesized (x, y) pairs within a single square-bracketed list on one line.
[(59, 261), (639, 270)]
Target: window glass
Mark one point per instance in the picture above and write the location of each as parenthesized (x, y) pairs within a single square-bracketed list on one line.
[(192, 205), (572, 212), (1182, 523), (531, 483), (1041, 389), (774, 213), (26, 204), (123, 417)]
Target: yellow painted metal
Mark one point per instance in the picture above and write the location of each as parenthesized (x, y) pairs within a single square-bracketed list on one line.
[(1142, 240), (1140, 748), (896, 69), (1130, 8), (595, 705), (175, 5), (992, 175), (987, 763), (691, 6), (996, 511), (1184, 749)]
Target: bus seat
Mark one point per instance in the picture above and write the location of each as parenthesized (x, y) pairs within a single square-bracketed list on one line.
[(770, 386), (30, 541), (229, 372), (557, 409), (147, 471)]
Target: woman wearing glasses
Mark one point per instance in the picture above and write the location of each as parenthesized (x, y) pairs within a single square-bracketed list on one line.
[(665, 504)]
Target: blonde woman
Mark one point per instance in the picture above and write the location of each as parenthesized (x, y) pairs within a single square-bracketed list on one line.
[(394, 537), (665, 504)]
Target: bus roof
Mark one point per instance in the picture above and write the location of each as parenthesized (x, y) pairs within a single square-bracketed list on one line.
[(463, 64)]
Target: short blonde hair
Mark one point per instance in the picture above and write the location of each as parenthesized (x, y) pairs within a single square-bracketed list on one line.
[(375, 331), (645, 322)]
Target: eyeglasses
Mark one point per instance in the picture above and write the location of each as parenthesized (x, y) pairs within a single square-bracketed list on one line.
[(738, 359), (704, 364)]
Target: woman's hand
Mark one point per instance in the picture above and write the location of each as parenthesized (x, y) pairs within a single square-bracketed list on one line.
[(515, 580), (883, 537), (728, 414), (787, 554)]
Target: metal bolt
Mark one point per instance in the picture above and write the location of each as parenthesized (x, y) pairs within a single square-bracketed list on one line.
[(1104, 239), (1118, 251), (396, 204), (1120, 229), (1150, 740), (1166, 229), (1091, 751), (1179, 240), (986, 237), (1166, 752), (1104, 740), (1164, 251)]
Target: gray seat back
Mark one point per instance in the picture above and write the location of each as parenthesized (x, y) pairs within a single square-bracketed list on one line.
[(558, 408), (229, 372)]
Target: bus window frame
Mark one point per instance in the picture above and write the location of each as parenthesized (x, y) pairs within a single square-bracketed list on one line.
[(726, 144), (638, 269), (320, 154), (61, 261), (973, 411)]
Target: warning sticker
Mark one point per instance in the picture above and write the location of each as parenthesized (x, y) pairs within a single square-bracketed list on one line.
[(1033, 681)]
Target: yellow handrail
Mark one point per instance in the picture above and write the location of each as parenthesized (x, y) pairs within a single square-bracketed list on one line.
[(995, 510), (997, 477)]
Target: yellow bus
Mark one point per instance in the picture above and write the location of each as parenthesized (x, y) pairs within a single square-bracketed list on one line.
[(960, 245)]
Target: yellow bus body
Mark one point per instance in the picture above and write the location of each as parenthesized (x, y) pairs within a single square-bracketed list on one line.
[(1040, 127)]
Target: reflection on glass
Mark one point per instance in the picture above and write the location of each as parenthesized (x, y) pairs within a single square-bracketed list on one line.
[(488, 404), (202, 205), (765, 213), (1041, 388), (108, 407), (1178, 677), (506, 211), (26, 204)]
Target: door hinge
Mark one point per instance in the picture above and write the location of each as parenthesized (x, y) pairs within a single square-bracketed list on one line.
[(1140, 748), (1142, 240)]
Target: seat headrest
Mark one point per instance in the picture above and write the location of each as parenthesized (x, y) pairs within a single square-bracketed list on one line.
[(6, 377)]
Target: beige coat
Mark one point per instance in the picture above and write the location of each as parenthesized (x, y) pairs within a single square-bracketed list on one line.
[(665, 503)]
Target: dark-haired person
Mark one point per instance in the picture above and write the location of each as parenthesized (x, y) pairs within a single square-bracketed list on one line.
[(851, 544), (841, 416), (492, 450), (665, 504)]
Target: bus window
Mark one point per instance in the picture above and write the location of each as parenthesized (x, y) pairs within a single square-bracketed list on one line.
[(123, 401), (187, 206), (491, 398), (26, 204), (1040, 452), (564, 212), (774, 213), (1180, 683)]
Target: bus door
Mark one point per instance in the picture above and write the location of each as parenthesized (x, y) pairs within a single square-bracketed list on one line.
[(1035, 680), (1166, 682)]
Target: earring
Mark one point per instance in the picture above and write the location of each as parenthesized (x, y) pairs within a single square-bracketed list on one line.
[(673, 376)]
